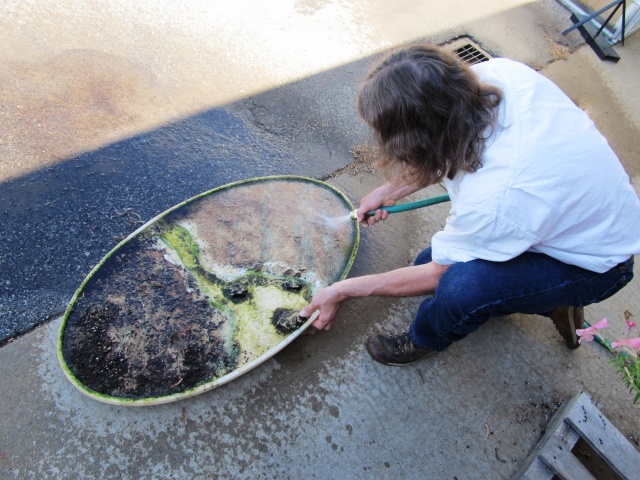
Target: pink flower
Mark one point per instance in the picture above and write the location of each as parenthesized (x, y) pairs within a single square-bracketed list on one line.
[(630, 325), (632, 342), (587, 334)]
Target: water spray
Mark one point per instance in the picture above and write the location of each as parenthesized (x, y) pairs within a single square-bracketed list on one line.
[(404, 206)]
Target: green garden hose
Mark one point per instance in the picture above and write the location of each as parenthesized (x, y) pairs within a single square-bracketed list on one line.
[(403, 207)]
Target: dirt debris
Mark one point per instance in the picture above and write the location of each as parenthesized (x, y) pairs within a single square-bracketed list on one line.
[(557, 50), (365, 161)]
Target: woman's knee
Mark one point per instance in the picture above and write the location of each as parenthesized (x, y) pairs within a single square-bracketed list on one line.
[(423, 257), (463, 288)]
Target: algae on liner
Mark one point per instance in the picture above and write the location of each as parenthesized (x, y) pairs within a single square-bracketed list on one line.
[(264, 294)]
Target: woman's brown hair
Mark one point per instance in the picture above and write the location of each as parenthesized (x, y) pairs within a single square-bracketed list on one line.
[(429, 113)]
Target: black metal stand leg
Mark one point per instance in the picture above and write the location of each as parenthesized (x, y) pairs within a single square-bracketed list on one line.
[(609, 18), (617, 4)]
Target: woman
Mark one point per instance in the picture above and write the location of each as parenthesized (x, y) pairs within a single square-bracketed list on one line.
[(542, 212)]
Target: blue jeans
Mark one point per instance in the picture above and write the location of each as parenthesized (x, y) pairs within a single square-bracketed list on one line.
[(470, 293)]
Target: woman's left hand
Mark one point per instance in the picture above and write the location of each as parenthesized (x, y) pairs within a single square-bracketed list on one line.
[(328, 301)]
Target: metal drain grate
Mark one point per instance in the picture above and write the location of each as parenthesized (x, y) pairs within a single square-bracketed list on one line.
[(470, 54)]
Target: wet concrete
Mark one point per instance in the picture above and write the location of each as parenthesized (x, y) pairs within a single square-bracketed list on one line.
[(133, 108)]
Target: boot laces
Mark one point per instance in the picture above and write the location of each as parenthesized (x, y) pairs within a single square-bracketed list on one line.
[(402, 341)]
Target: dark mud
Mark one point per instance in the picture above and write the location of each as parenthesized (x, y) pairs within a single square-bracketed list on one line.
[(139, 334)]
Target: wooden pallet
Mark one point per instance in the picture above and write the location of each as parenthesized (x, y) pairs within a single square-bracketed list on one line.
[(578, 418)]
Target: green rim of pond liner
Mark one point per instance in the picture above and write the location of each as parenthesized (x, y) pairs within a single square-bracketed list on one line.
[(205, 291)]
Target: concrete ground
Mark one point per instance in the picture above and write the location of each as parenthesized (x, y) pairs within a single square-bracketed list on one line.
[(141, 105)]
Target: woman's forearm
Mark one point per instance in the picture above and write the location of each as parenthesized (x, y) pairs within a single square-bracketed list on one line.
[(403, 282), (398, 188)]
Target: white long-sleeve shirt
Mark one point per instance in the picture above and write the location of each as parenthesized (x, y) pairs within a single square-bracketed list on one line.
[(549, 183)]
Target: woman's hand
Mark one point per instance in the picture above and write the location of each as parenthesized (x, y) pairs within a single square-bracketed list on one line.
[(328, 301), (376, 199), (384, 196)]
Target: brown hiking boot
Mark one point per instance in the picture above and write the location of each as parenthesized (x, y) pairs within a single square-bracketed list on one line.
[(397, 350), (567, 320)]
